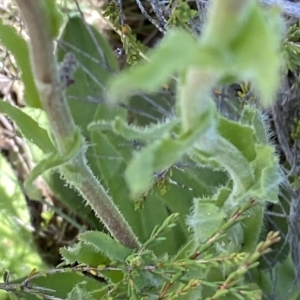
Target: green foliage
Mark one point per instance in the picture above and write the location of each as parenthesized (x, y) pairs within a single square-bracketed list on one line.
[(199, 229), (95, 62), (291, 47), (58, 283), (53, 161), (103, 243), (31, 130), (16, 240), (106, 158), (54, 17), (110, 163), (197, 112), (18, 46), (80, 293), (83, 253), (228, 53), (181, 15), (145, 275), (133, 48)]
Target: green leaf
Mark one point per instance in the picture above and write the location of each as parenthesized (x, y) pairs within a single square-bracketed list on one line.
[(159, 156), (252, 227), (15, 224), (220, 150), (274, 221), (5, 295), (266, 170), (260, 65), (80, 293), (19, 48), (54, 17), (237, 51), (29, 127), (131, 132), (184, 13), (266, 188), (194, 100), (226, 18), (106, 245), (88, 254), (236, 30), (83, 253), (256, 119), (96, 62), (145, 109), (241, 136), (182, 185), (205, 220), (284, 287), (53, 161), (145, 76), (63, 283), (201, 180)]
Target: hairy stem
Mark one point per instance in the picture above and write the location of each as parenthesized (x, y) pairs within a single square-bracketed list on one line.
[(64, 130)]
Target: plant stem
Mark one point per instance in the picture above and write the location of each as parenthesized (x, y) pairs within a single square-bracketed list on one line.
[(54, 103)]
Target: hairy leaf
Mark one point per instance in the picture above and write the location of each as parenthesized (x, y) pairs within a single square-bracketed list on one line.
[(83, 253), (267, 173), (106, 245), (149, 76), (256, 119), (225, 20), (53, 161), (260, 65), (29, 127), (80, 293), (129, 132), (241, 136), (206, 219), (159, 156)]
